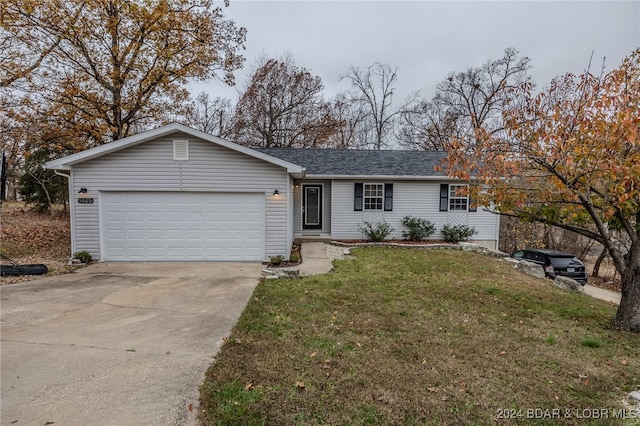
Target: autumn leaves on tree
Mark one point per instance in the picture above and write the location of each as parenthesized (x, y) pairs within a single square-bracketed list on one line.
[(112, 67), (569, 157)]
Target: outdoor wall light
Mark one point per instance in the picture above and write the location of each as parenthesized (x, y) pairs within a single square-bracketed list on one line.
[(276, 192), (83, 191)]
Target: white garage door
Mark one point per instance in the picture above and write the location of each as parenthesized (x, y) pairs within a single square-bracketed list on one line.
[(182, 226)]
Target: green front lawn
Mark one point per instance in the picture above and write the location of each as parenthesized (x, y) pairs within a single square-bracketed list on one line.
[(434, 337)]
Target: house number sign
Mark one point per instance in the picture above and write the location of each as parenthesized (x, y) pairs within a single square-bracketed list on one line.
[(84, 200)]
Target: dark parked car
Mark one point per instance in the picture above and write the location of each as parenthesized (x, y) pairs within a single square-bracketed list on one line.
[(555, 263)]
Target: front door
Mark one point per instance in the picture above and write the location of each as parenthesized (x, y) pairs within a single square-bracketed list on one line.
[(311, 206)]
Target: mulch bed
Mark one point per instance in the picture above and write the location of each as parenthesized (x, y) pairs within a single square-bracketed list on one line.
[(295, 258), (394, 241)]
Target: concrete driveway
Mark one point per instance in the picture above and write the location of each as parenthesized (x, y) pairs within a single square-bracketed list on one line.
[(116, 343)]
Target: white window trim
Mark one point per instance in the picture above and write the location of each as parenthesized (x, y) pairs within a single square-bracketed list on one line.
[(364, 197), (180, 156), (453, 197)]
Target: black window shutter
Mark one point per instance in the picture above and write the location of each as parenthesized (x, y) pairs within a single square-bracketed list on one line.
[(472, 205), (388, 197), (444, 197), (357, 199)]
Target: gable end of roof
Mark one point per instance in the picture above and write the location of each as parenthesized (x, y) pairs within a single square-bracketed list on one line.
[(66, 163)]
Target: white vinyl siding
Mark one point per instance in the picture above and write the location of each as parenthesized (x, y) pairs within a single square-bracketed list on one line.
[(211, 168), (410, 198)]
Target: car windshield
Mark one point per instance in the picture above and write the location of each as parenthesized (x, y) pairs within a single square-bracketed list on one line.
[(563, 261)]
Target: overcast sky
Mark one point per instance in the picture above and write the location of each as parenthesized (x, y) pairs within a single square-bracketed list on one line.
[(428, 39)]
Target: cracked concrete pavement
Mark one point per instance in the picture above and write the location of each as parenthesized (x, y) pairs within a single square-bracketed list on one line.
[(116, 343)]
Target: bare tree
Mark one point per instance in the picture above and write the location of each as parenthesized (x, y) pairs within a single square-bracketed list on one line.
[(373, 89), (466, 102), (352, 131), (426, 126), (282, 106), (477, 97), (211, 115)]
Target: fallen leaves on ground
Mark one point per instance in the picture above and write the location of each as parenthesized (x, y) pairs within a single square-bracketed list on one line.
[(29, 237)]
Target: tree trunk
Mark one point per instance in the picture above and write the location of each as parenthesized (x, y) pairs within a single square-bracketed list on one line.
[(596, 267), (628, 315)]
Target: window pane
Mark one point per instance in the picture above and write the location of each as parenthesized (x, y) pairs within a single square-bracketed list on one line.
[(458, 204), (373, 196), (456, 200), (312, 211), (454, 190)]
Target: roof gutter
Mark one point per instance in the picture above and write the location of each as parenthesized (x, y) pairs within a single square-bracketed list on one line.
[(382, 177)]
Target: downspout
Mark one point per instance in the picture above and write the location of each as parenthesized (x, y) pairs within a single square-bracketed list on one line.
[(62, 174)]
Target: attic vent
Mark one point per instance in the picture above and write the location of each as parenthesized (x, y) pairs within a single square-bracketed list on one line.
[(181, 150)]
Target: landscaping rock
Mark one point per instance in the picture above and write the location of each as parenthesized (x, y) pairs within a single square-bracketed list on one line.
[(482, 249), (336, 252), (635, 396), (530, 268), (287, 273), (568, 284), (274, 273)]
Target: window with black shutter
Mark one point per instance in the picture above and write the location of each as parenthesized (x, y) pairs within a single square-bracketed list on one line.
[(453, 199), (357, 199), (444, 197), (373, 196), (388, 197)]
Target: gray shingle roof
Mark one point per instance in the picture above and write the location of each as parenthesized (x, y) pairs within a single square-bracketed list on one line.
[(360, 162)]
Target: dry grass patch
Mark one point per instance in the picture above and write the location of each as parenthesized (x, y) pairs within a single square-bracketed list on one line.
[(401, 336)]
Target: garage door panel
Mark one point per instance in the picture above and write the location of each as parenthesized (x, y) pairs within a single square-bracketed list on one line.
[(136, 252), (183, 226), (157, 252), (175, 252), (175, 235), (115, 234), (155, 216), (195, 252), (115, 216), (135, 234), (115, 252), (194, 217), (213, 217), (173, 216)]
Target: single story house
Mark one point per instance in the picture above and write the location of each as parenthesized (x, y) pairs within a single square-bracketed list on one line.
[(177, 194)]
